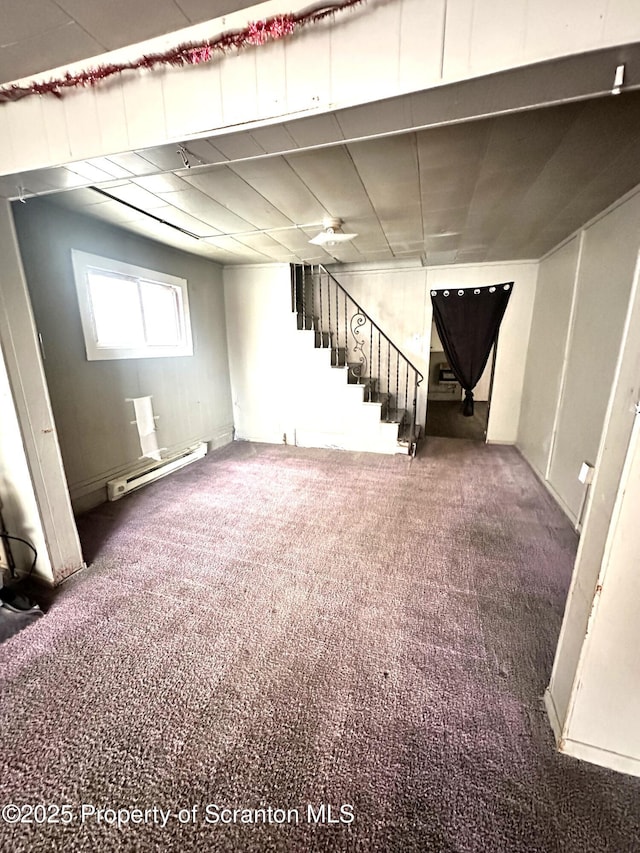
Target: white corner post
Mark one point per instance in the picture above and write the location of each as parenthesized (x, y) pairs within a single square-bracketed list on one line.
[(41, 499)]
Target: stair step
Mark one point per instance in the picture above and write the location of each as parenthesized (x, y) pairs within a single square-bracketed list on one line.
[(401, 417), (382, 399)]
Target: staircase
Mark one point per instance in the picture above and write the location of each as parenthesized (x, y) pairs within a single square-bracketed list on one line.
[(361, 356)]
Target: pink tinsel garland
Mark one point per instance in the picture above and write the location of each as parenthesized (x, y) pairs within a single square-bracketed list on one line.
[(194, 53)]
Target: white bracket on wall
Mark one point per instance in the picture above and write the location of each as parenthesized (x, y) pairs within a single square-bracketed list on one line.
[(618, 80), (586, 473), (586, 477)]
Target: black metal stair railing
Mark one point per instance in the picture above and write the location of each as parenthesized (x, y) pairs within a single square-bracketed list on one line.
[(357, 342)]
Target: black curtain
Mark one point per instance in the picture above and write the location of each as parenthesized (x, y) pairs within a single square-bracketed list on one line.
[(467, 321)]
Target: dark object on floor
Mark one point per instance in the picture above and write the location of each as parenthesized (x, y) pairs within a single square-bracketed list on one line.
[(445, 419), (17, 611), (12, 621), (16, 601)]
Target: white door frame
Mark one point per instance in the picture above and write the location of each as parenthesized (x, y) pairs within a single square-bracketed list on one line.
[(21, 350)]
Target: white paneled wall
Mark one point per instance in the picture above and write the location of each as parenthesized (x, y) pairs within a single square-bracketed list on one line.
[(491, 35), (575, 341), (609, 253), (545, 358), (581, 387), (373, 51)]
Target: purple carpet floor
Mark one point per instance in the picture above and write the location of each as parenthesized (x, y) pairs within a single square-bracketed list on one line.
[(280, 649)]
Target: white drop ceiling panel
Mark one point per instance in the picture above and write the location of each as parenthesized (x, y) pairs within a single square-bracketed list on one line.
[(165, 183), (182, 220), (78, 199), (527, 139), (29, 18), (231, 146), (134, 163), (118, 214), (222, 184), (160, 233), (203, 10), (199, 205), (237, 250), (388, 117), (437, 257), (46, 49), (136, 196), (344, 253), (276, 180), (394, 193), (273, 139), (335, 182), (314, 130), (110, 167), (115, 23), (266, 244), (449, 147), (164, 158), (89, 172), (62, 178), (199, 152)]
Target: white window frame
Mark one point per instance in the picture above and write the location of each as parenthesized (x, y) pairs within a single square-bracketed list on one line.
[(83, 263)]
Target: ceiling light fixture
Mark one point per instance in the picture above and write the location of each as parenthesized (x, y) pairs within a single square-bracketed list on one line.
[(332, 233)]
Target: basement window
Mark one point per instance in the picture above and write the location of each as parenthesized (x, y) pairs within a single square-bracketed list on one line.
[(130, 312)]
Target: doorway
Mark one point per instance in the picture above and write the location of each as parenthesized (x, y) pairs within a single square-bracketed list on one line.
[(445, 395)]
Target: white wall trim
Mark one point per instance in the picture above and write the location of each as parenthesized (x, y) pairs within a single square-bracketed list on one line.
[(222, 437), (540, 476), (602, 757)]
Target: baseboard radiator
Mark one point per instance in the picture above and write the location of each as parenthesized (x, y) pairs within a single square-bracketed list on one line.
[(121, 486)]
